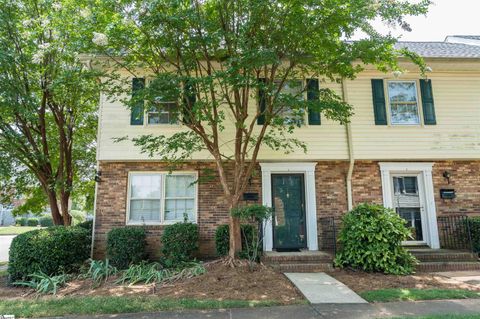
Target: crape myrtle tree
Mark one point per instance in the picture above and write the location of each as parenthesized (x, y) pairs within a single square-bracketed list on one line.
[(232, 69), (48, 100)]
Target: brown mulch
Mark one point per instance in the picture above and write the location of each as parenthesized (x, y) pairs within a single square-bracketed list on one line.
[(360, 281), (220, 282)]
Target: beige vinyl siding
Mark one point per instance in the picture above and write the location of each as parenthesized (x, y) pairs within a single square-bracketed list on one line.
[(456, 92)]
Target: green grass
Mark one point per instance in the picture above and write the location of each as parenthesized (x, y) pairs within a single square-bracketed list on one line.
[(385, 295), (113, 305), (474, 316), (15, 230)]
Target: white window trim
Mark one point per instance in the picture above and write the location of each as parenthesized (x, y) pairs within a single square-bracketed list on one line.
[(419, 104), (308, 169), (389, 169), (162, 220)]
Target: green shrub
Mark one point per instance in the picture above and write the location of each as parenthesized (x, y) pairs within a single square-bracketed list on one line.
[(126, 246), (474, 223), (222, 240), (21, 221), (32, 222), (88, 225), (372, 238), (179, 243), (51, 250), (46, 221)]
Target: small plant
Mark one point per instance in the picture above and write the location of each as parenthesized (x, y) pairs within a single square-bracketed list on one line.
[(253, 215), (32, 222), (126, 246), (150, 273), (46, 221), (100, 271), (179, 243), (372, 238), (143, 272), (43, 283)]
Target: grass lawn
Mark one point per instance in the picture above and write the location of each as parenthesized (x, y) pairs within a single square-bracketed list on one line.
[(398, 294), (15, 230), (113, 305)]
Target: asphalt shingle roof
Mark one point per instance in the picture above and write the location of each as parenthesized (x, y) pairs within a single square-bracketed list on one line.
[(441, 49)]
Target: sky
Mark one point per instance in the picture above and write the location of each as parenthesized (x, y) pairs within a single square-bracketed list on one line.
[(445, 17)]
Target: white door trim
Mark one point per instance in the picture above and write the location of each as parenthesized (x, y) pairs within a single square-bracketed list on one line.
[(308, 170), (425, 171)]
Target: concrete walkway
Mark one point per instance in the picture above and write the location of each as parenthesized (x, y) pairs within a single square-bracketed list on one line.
[(333, 311), (320, 288), (468, 277)]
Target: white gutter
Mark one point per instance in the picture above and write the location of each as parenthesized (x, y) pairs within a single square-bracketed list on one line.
[(351, 158)]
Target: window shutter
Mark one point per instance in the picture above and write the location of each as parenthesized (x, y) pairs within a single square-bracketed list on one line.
[(313, 94), (428, 106), (379, 109), (137, 110), (190, 99), (261, 103)]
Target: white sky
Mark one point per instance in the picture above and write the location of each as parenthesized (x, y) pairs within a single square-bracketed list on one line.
[(445, 17)]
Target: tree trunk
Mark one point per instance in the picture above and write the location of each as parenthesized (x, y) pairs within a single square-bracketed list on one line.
[(235, 233), (56, 215), (67, 218)]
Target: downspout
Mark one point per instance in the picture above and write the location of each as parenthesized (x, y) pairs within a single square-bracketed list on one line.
[(351, 158)]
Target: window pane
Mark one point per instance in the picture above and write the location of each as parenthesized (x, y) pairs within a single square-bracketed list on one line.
[(403, 103), (145, 186), (142, 210), (165, 113), (180, 186), (410, 185), (176, 209), (291, 90)]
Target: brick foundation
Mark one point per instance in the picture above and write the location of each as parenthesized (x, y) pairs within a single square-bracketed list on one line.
[(330, 188)]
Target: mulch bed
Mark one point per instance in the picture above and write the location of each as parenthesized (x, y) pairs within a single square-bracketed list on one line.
[(360, 281), (220, 282)]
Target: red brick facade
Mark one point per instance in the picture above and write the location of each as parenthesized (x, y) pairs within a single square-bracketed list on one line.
[(330, 190)]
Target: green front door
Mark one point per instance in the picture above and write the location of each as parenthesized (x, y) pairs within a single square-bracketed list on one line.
[(288, 202)]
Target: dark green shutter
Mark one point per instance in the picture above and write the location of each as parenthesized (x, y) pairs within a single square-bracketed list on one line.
[(190, 99), (261, 103), (313, 94), (137, 110), (379, 109), (428, 106)]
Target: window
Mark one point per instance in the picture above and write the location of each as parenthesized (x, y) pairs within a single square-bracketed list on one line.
[(165, 113), (161, 197), (291, 89), (405, 185), (403, 102)]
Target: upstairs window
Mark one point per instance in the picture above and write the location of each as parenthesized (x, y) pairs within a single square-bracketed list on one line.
[(163, 113), (292, 89), (402, 96)]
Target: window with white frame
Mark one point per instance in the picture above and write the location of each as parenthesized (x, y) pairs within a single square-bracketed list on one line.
[(163, 113), (161, 197), (403, 100), (292, 89)]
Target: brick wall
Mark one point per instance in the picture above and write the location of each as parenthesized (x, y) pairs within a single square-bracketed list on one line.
[(330, 187)]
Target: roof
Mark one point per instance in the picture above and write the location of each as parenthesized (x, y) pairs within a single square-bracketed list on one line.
[(441, 49), (470, 37)]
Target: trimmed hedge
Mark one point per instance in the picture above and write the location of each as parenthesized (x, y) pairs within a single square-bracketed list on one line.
[(126, 246), (222, 238), (372, 237), (88, 225), (51, 250), (474, 223), (22, 221), (32, 222), (46, 221), (179, 243)]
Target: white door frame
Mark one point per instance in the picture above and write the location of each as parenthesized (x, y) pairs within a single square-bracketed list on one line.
[(308, 170), (425, 181)]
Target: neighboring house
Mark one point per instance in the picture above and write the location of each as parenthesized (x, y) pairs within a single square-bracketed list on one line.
[(6, 216), (410, 140)]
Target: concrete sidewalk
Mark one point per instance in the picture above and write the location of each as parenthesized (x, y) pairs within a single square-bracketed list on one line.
[(334, 311)]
